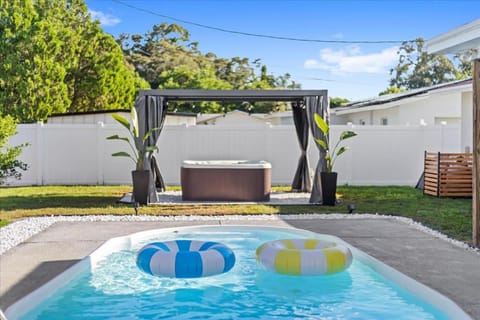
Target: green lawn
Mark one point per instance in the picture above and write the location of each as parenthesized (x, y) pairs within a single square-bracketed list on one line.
[(450, 216)]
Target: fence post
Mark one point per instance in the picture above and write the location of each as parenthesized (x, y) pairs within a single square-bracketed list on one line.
[(424, 169), (439, 177), (476, 153), (100, 153), (39, 153), (349, 157)]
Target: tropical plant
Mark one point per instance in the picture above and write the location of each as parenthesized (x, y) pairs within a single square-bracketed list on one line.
[(324, 143), (139, 151)]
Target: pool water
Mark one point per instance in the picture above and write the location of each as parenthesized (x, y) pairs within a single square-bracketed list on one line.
[(114, 288)]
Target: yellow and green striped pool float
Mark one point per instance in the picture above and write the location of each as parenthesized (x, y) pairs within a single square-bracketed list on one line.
[(304, 256)]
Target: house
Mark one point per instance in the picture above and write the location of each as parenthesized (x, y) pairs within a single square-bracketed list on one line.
[(439, 104), (232, 118), (105, 116), (465, 40), (237, 117), (280, 118)]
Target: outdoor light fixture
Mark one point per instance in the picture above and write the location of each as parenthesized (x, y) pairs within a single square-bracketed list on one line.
[(351, 207), (135, 207)]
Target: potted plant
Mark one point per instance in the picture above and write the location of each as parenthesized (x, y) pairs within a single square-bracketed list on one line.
[(139, 154), (329, 178)]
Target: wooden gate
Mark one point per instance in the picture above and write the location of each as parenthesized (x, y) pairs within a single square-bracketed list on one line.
[(448, 174)]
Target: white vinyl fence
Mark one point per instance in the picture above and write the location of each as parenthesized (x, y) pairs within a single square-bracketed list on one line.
[(80, 154)]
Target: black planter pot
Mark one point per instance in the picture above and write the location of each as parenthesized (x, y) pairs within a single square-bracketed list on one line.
[(329, 187), (141, 179)]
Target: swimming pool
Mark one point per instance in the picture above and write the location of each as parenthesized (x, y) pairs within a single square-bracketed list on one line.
[(108, 285)]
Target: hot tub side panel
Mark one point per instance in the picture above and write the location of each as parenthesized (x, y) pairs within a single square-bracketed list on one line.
[(225, 184)]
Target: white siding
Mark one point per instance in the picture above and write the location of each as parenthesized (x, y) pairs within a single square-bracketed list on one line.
[(442, 105), (467, 121)]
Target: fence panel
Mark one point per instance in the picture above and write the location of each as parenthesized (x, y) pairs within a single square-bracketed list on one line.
[(448, 174), (80, 153)]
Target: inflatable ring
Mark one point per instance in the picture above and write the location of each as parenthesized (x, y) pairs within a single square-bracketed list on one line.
[(304, 257), (185, 259)]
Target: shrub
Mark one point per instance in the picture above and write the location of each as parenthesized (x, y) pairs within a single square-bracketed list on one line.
[(9, 165)]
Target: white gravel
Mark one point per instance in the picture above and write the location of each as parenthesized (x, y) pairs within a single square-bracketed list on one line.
[(175, 197), (19, 231)]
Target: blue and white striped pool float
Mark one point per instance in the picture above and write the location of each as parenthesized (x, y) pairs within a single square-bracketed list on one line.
[(185, 258)]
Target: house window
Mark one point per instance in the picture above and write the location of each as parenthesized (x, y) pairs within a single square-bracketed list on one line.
[(384, 121)]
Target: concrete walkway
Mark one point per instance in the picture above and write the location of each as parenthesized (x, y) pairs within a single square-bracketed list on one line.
[(449, 269)]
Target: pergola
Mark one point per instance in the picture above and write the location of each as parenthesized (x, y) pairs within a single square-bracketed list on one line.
[(465, 41), (152, 106)]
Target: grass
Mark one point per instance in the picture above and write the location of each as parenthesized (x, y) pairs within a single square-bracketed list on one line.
[(451, 216)]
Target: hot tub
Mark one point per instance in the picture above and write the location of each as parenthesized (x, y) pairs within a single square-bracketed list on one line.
[(225, 180)]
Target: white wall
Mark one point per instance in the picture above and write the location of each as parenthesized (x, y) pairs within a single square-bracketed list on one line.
[(91, 118), (440, 105), (391, 155), (80, 154), (467, 121)]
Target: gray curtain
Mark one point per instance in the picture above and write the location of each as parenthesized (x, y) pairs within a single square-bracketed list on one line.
[(301, 181), (317, 104), (151, 112)]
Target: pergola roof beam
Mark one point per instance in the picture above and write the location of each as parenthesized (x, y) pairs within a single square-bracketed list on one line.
[(232, 95)]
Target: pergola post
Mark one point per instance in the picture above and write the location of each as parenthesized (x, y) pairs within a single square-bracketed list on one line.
[(159, 99), (476, 153)]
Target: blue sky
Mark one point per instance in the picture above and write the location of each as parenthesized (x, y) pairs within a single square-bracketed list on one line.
[(347, 70)]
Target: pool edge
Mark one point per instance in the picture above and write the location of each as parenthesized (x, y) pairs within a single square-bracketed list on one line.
[(431, 296)]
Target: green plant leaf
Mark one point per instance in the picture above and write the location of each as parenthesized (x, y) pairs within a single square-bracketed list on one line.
[(328, 159), (321, 143), (122, 120), (347, 134), (151, 148), (117, 137), (121, 154), (321, 124), (149, 133), (135, 122), (341, 150)]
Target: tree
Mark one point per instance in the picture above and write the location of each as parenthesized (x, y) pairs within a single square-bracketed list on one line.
[(9, 165), (464, 67), (55, 59), (236, 71), (336, 102), (183, 77), (391, 90), (164, 48), (416, 68), (99, 78), (167, 58), (32, 84)]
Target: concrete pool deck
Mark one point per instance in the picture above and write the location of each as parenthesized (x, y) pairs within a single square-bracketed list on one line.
[(450, 269)]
